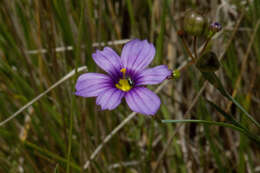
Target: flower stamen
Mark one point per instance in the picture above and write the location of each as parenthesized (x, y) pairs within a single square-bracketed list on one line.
[(124, 83), (123, 70)]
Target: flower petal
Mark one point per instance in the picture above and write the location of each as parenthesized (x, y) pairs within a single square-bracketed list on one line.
[(110, 98), (143, 100), (108, 60), (137, 55), (91, 84), (153, 76)]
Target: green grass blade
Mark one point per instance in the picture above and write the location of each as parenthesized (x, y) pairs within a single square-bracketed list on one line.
[(233, 121), (227, 116), (214, 80), (131, 14), (159, 41), (234, 127), (207, 122)]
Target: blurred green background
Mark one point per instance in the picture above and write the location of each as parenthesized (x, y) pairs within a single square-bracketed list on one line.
[(60, 131)]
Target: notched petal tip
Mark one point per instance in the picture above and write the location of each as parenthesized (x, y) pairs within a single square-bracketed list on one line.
[(108, 60), (137, 54)]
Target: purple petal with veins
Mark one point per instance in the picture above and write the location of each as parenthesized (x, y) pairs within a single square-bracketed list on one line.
[(137, 55), (153, 76), (143, 100)]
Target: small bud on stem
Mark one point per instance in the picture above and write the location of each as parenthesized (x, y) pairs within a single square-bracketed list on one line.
[(215, 27)]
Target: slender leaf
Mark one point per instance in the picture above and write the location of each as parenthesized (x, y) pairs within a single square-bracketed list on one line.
[(214, 80)]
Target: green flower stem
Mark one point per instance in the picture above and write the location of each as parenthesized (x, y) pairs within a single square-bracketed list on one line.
[(205, 46), (187, 48), (195, 47)]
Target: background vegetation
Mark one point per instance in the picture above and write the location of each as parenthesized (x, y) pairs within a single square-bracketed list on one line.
[(60, 131)]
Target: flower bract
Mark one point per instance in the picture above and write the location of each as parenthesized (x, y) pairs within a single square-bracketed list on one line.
[(126, 78)]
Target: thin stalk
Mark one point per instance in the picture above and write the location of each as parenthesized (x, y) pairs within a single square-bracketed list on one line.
[(195, 47), (205, 46), (182, 68), (187, 48)]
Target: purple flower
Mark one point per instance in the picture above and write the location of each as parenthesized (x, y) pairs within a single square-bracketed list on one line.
[(126, 77)]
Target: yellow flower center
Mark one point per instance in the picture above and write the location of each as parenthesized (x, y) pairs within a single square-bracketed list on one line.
[(124, 84)]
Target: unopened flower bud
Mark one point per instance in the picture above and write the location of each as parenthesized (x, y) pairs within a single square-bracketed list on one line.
[(176, 73), (208, 62), (215, 27), (194, 23)]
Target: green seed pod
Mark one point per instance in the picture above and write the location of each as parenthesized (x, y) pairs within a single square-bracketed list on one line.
[(194, 23), (208, 62)]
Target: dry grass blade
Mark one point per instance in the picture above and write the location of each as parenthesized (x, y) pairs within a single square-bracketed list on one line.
[(66, 77), (69, 48), (108, 137)]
